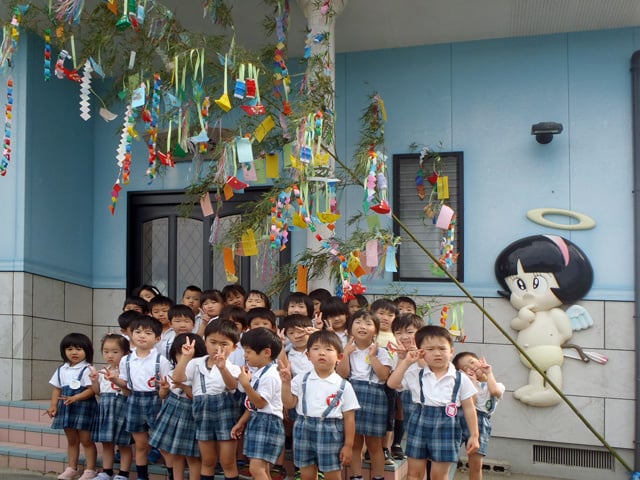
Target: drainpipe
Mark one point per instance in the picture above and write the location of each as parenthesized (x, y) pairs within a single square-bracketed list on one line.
[(635, 98)]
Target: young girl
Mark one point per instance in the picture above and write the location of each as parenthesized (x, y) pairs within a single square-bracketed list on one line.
[(73, 404), (367, 367), (175, 431), (109, 425), (255, 299), (211, 305)]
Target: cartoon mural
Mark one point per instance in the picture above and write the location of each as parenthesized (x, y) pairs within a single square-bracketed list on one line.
[(541, 273)]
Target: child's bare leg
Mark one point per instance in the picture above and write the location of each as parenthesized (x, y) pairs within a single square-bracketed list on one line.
[(356, 457), (374, 446), (90, 451), (259, 469), (208, 457), (228, 458), (195, 466), (310, 473), (168, 462), (125, 457), (416, 468), (475, 466), (73, 446), (333, 475), (440, 470), (178, 463), (108, 456), (141, 440)]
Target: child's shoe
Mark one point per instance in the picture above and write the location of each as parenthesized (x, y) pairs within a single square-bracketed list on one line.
[(397, 452), (89, 475), (68, 474), (387, 457), (120, 477), (102, 476)]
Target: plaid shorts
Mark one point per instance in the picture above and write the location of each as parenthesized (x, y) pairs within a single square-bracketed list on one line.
[(407, 403), (175, 430), (142, 411), (318, 442), (484, 427), (371, 418), (432, 434), (264, 437), (79, 415), (215, 416), (109, 426)]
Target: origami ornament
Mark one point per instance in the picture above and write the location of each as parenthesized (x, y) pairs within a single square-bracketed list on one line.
[(224, 102), (241, 87), (6, 140), (85, 91), (236, 184), (47, 55), (123, 22)]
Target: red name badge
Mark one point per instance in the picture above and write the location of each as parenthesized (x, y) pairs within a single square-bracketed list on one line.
[(451, 409)]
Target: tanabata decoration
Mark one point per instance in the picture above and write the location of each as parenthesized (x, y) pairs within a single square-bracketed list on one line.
[(47, 55), (255, 106), (85, 91), (151, 118), (224, 102), (69, 11), (240, 88), (11, 36), (6, 140), (123, 156)]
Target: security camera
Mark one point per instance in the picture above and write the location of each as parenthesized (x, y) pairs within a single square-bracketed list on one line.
[(544, 131)]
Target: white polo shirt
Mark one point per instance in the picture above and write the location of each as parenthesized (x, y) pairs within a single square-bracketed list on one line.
[(320, 392), (69, 375), (484, 401), (143, 371), (213, 381), (299, 362), (107, 386), (269, 388), (361, 366), (437, 391), (166, 340)]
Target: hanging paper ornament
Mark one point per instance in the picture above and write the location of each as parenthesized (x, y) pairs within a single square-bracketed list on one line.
[(6, 140), (123, 22), (11, 36), (85, 91), (420, 184), (69, 11), (241, 87), (224, 102), (47, 55)]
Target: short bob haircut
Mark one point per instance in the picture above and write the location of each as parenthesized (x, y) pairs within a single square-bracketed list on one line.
[(121, 340), (226, 328), (199, 350), (366, 314), (260, 338), (325, 337), (299, 297), (78, 340)]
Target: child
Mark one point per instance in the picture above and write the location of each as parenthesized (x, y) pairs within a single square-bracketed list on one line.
[(318, 297), (385, 311), (238, 316), (405, 305), (300, 303), (234, 294), (140, 372), (297, 329), (357, 303), (73, 404), (489, 394), (108, 428), (213, 379), (437, 390), (182, 320), (264, 435), (211, 304), (175, 430), (136, 303), (146, 292), (367, 366), (160, 306), (261, 317), (334, 316), (256, 298), (325, 425), (124, 322), (191, 298)]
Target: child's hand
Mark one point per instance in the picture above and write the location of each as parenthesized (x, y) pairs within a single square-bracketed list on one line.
[(485, 367), (317, 321), (51, 411), (244, 378), (345, 456), (188, 349), (220, 360), (327, 323), (93, 374), (164, 384), (285, 372), (179, 385), (282, 335), (472, 445), (237, 431), (111, 375), (373, 348), (413, 356), (68, 400), (310, 330), (350, 347)]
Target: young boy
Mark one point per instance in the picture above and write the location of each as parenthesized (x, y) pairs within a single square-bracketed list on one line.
[(325, 404), (405, 305), (213, 377), (182, 320), (141, 372), (191, 298), (437, 390), (124, 322), (489, 394), (136, 303), (297, 329), (261, 317), (264, 439), (334, 316), (238, 316), (160, 306)]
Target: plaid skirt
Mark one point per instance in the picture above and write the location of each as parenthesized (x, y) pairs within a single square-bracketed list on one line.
[(432, 434), (109, 426), (215, 416), (484, 428), (318, 441), (371, 418), (79, 415), (264, 437), (142, 411), (175, 429)]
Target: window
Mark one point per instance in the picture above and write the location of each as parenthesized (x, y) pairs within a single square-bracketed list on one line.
[(419, 215)]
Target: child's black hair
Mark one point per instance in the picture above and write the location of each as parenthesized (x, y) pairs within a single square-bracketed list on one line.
[(161, 300), (325, 337), (123, 343), (262, 295), (295, 320), (384, 304), (405, 299), (200, 349), (460, 356), (235, 314), (191, 288), (215, 295), (225, 328), (79, 340), (320, 294), (363, 314), (406, 320), (299, 297), (138, 302), (181, 310), (145, 322), (260, 338), (233, 288), (138, 290), (362, 300), (433, 331), (125, 318), (261, 312), (333, 307)]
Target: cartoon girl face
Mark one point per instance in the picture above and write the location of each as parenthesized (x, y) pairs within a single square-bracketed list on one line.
[(533, 290)]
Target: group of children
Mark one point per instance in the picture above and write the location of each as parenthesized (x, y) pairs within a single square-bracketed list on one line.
[(198, 379)]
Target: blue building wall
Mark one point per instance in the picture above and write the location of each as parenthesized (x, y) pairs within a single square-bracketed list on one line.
[(478, 97)]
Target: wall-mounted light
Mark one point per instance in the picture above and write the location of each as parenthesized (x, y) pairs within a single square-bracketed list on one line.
[(544, 131)]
